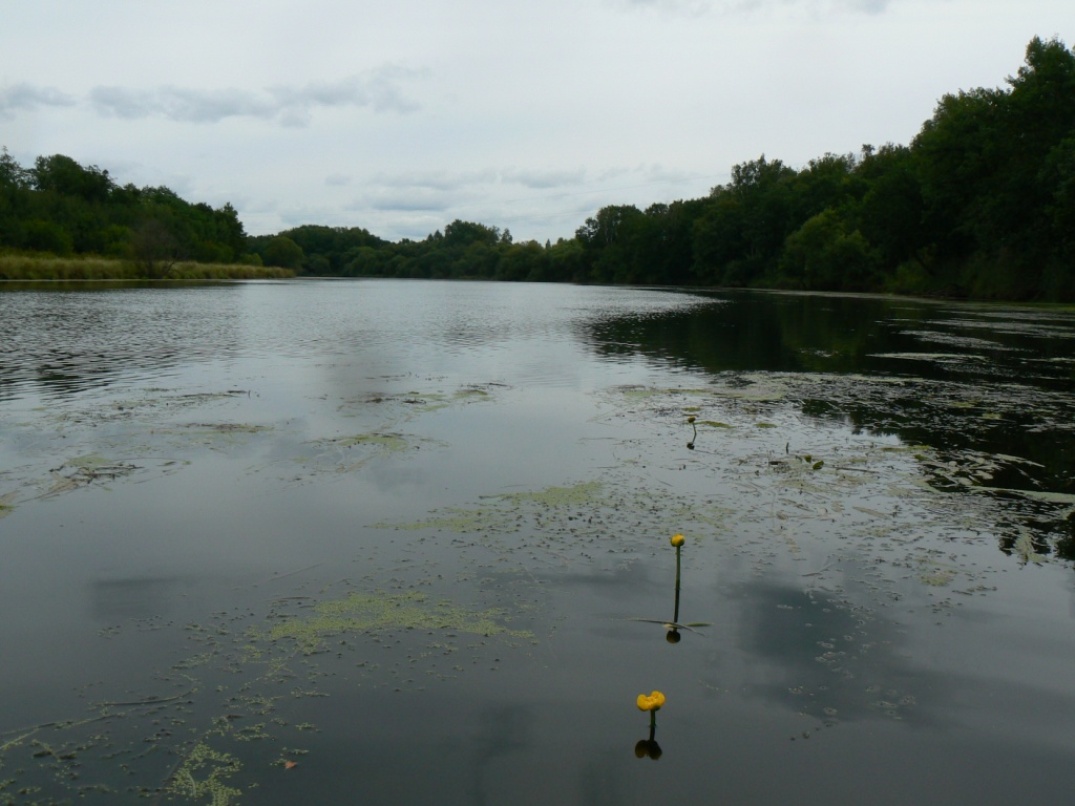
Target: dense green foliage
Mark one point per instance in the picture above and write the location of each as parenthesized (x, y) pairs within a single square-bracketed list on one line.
[(981, 203), (62, 208)]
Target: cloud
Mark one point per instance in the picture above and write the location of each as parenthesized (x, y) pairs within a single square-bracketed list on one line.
[(436, 180), (179, 104), (415, 201), (27, 97), (424, 191), (379, 90)]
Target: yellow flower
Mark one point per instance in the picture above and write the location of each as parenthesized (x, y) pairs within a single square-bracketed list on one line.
[(678, 540), (650, 702)]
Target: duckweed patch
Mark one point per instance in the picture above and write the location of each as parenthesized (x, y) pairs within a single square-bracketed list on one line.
[(385, 443), (410, 404), (378, 612), (203, 777), (580, 494)]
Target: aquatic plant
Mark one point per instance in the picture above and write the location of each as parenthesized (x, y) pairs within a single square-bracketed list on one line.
[(676, 540), (650, 702)]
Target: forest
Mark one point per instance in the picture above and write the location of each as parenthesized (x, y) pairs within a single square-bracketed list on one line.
[(981, 204)]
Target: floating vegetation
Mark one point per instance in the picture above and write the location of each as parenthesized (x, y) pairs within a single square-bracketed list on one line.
[(203, 777), (241, 689), (376, 612), (504, 512), (575, 495), (414, 403), (350, 453)]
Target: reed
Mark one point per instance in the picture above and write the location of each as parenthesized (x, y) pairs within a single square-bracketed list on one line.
[(35, 267)]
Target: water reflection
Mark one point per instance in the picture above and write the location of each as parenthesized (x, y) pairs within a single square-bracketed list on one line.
[(60, 342), (138, 597), (821, 655)]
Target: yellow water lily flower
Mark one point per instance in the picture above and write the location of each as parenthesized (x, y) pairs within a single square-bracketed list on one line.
[(650, 702), (678, 540)]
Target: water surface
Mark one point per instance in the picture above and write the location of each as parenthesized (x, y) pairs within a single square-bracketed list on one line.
[(407, 542)]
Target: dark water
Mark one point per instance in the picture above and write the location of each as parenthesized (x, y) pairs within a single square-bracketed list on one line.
[(408, 542)]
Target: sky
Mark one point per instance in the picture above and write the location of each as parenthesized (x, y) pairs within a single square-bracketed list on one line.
[(402, 116)]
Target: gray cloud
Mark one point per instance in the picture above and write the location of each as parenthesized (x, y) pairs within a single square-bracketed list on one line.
[(180, 104), (442, 181), (26, 97), (415, 201), (543, 180), (379, 90), (424, 191)]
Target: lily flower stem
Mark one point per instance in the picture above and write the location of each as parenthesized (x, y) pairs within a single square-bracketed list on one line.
[(652, 724), (675, 618)]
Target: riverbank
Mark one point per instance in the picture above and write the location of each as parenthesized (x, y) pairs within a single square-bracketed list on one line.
[(34, 268)]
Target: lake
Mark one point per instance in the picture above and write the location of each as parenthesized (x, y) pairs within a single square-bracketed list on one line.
[(408, 542)]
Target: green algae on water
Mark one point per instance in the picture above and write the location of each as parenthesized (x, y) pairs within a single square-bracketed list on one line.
[(376, 612), (203, 775)]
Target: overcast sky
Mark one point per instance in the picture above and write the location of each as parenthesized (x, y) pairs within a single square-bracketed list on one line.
[(402, 115)]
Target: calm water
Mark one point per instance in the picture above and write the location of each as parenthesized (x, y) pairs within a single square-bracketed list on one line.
[(407, 542)]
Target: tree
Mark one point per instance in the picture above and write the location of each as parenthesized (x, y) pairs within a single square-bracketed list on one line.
[(825, 255), (64, 176), (284, 252), (12, 175), (154, 249)]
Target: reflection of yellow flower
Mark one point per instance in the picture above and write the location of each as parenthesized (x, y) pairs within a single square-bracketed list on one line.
[(650, 702), (648, 747), (690, 420), (678, 540)]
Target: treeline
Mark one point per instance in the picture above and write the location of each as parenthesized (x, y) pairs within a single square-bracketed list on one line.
[(980, 204), (465, 250), (62, 208)]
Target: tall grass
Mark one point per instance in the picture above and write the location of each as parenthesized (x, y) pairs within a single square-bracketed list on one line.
[(36, 267)]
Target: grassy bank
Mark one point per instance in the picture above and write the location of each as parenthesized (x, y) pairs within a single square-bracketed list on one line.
[(31, 267)]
